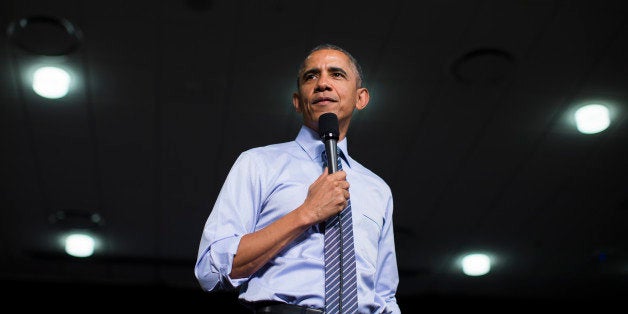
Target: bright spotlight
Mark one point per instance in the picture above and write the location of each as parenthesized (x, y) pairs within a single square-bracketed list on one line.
[(592, 119), (476, 264), (79, 245), (51, 82)]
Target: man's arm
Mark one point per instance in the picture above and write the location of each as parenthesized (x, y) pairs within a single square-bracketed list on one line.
[(327, 196)]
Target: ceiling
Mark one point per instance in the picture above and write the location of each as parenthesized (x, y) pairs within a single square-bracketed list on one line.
[(470, 123)]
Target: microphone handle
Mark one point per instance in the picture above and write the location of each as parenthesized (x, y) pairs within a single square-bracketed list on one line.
[(332, 155)]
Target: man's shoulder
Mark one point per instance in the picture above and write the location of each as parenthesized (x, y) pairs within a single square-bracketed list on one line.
[(271, 151), (272, 148), (368, 173)]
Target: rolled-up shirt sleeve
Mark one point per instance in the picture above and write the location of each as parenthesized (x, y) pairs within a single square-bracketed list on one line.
[(233, 215), (213, 265)]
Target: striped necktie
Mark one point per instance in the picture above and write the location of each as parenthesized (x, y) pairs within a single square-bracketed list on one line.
[(341, 294)]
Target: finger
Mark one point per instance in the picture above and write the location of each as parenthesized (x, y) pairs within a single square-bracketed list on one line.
[(340, 175)]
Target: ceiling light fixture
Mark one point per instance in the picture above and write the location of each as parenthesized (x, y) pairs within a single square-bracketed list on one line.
[(45, 35), (51, 82), (476, 264), (79, 245), (591, 119), (79, 230), (484, 67)]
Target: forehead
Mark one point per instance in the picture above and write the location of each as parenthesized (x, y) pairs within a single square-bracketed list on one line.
[(327, 58)]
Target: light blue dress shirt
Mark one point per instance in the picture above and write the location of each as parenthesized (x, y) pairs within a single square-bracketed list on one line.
[(264, 184)]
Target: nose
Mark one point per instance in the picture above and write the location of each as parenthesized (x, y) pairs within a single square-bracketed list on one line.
[(323, 84)]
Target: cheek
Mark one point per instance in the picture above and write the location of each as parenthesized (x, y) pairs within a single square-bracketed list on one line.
[(349, 102), (348, 94)]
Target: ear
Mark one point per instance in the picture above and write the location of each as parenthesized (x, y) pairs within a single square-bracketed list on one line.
[(296, 102), (363, 98)]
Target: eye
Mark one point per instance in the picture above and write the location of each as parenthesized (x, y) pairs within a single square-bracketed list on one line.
[(338, 75), (309, 76)]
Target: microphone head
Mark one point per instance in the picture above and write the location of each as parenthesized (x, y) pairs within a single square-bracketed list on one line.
[(328, 126)]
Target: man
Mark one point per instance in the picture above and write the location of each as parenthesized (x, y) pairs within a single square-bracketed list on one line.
[(265, 233)]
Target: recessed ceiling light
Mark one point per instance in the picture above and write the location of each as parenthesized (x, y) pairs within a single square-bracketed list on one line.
[(484, 66), (476, 264), (592, 118), (79, 245), (45, 35), (51, 82)]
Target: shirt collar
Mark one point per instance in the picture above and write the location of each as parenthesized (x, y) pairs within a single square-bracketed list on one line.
[(310, 142)]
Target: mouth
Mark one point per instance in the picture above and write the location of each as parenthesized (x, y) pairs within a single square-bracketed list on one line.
[(323, 100)]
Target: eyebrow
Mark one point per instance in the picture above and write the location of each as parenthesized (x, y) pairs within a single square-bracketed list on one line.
[(330, 69), (337, 69)]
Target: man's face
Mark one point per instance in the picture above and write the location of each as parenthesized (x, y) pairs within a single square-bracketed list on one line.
[(328, 83)]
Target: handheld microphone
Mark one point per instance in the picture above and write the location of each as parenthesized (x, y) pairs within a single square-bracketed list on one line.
[(328, 131)]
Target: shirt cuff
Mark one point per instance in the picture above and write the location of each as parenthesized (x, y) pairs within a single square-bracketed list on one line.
[(222, 253)]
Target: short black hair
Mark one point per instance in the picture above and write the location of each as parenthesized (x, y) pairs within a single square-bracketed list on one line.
[(325, 46)]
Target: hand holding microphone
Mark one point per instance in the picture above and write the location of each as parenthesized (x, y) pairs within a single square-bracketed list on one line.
[(328, 195)]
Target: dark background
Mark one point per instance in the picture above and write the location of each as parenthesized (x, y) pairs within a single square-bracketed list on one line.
[(470, 123)]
